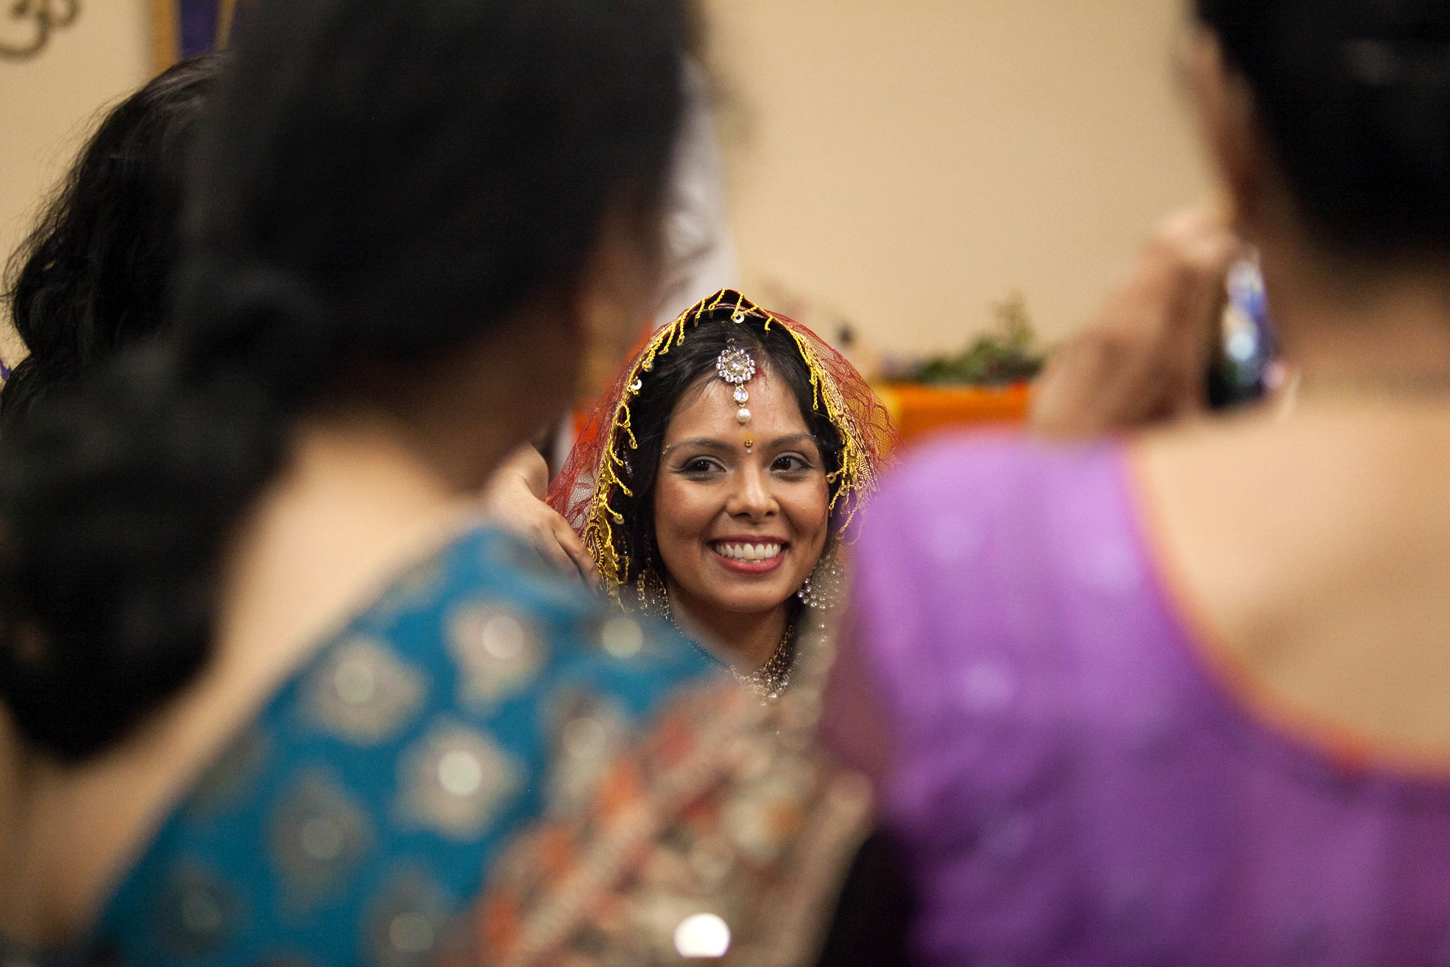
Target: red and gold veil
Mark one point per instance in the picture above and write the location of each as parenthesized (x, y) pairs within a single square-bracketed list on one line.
[(585, 489)]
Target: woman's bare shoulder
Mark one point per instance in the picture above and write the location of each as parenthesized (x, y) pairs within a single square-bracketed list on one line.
[(1312, 553)]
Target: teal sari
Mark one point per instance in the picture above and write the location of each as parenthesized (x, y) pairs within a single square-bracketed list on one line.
[(357, 817)]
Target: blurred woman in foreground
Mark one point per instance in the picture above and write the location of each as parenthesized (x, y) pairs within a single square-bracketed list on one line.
[(1181, 698), (271, 694)]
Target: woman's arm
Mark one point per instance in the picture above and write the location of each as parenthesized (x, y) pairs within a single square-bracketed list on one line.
[(1144, 357)]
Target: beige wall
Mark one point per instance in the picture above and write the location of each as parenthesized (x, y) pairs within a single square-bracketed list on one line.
[(910, 162), (906, 162), (48, 104)]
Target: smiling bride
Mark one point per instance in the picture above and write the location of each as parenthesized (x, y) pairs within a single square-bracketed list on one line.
[(714, 484)]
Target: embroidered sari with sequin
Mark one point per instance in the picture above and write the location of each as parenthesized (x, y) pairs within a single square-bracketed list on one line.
[(725, 835)]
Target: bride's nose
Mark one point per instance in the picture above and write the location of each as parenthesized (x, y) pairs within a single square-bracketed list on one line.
[(751, 496)]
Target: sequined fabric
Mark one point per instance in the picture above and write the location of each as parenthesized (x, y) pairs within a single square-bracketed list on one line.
[(726, 835), (358, 815)]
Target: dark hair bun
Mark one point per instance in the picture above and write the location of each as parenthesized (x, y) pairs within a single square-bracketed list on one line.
[(108, 605), (256, 321), (1355, 97)]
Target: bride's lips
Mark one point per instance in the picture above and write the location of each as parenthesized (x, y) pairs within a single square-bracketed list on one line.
[(754, 556)]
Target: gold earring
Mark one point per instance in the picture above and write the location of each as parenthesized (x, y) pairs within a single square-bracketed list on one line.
[(822, 587), (654, 597)]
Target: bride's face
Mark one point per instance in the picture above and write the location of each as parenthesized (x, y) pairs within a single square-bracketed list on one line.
[(739, 528)]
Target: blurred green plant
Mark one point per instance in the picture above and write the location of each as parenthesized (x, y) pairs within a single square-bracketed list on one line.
[(1005, 355)]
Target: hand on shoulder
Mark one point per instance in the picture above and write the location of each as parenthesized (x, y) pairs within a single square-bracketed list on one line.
[(514, 497)]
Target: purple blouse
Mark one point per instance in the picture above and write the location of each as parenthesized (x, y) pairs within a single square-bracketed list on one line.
[(1073, 781)]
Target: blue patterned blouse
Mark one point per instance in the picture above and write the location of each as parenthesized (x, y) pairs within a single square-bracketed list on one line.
[(364, 806)]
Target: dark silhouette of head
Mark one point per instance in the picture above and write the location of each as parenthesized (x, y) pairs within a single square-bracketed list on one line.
[(377, 188), (1353, 97)]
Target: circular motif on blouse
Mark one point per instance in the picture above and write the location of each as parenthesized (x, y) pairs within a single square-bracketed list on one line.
[(197, 913), (363, 692), (319, 833), (622, 637), (455, 781), (409, 922), (587, 732), (498, 651), (460, 773)]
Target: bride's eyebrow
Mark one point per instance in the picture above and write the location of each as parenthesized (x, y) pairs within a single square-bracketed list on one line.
[(699, 443), (791, 440)]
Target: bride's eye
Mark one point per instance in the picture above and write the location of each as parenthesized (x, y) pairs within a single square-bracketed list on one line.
[(700, 466), (790, 463)]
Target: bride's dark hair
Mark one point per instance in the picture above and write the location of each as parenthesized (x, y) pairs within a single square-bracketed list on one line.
[(379, 182)]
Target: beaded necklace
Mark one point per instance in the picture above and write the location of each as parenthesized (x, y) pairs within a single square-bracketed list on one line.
[(771, 679)]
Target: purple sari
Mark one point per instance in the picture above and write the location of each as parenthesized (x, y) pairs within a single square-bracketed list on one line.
[(1074, 781)]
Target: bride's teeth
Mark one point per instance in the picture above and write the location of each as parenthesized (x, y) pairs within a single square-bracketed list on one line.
[(749, 552)]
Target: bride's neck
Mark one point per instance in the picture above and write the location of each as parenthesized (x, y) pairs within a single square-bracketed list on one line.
[(746, 641)]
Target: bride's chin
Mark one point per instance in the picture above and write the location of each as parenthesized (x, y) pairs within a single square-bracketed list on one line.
[(753, 604)]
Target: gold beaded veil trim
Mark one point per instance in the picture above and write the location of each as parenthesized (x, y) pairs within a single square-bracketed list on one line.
[(592, 476)]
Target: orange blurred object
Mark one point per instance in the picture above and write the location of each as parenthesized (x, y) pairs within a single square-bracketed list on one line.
[(919, 410)]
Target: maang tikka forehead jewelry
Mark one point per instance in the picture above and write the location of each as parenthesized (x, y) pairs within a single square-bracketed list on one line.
[(736, 368)]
